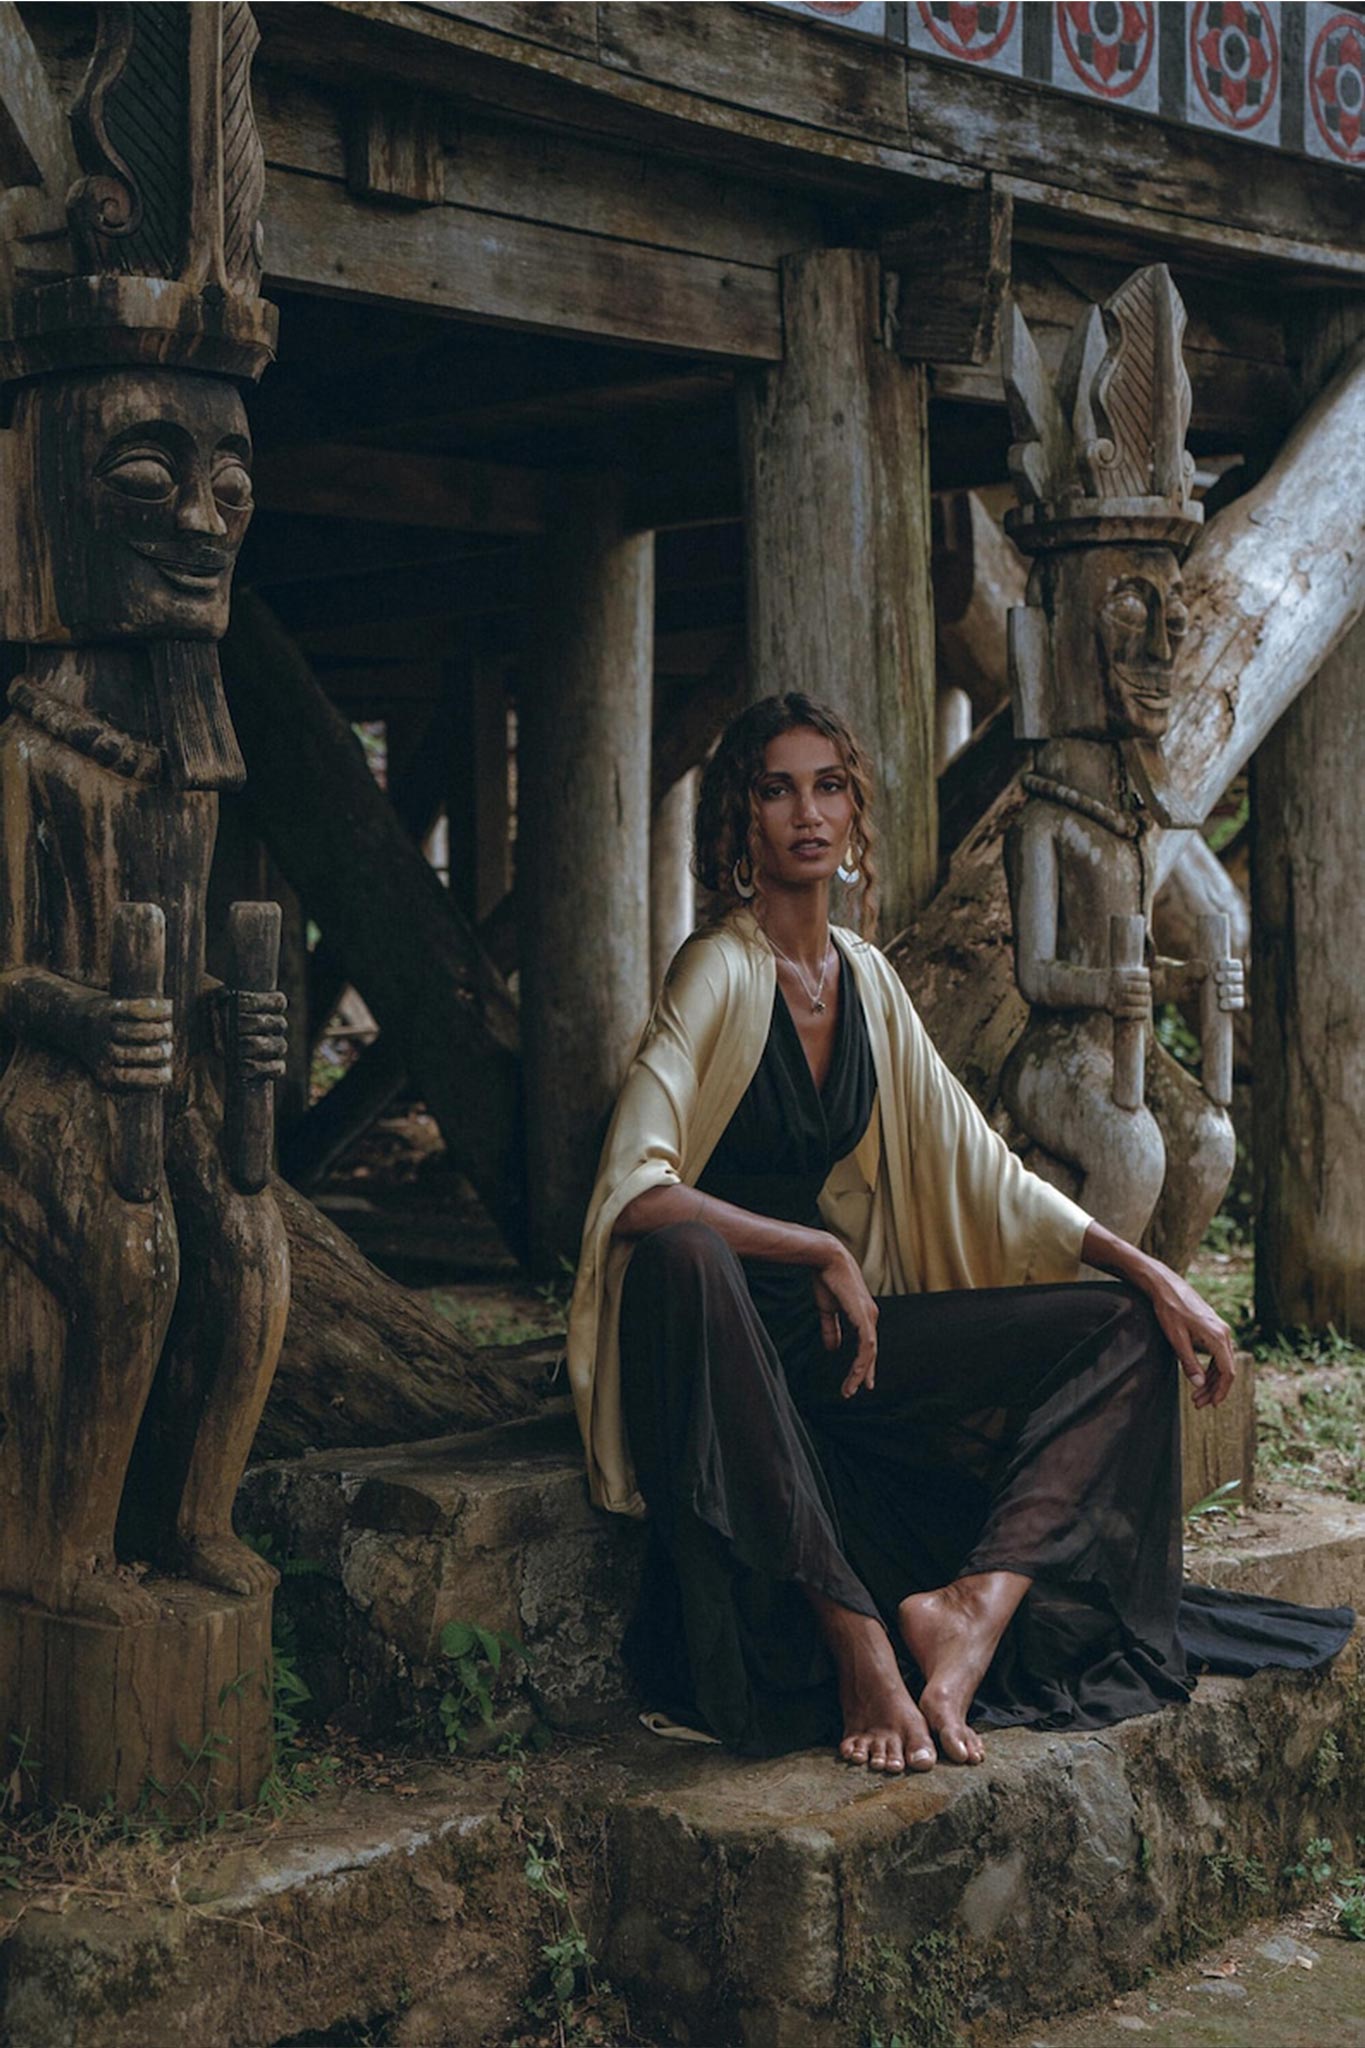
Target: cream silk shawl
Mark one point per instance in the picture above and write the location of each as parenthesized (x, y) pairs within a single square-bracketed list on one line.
[(931, 1198)]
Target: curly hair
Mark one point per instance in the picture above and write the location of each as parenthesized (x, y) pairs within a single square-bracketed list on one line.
[(727, 807)]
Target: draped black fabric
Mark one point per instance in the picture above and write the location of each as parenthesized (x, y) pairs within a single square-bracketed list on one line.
[(1033, 1429)]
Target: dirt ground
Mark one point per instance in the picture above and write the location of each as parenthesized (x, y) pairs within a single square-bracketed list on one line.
[(1295, 1984)]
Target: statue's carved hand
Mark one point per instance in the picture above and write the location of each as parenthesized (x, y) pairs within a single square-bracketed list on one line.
[(1229, 978), (1130, 994), (125, 1041), (261, 1032)]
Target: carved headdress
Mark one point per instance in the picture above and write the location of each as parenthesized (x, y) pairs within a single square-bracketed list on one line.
[(151, 197), (1101, 455), (1100, 467)]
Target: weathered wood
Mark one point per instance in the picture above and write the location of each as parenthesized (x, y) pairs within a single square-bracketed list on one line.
[(337, 1119), (1272, 586), (1308, 1000), (457, 260), (142, 1291), (478, 804), (172, 1716), (393, 151), (951, 264), (835, 459), (1219, 1444), (366, 1361), (404, 944), (758, 59), (583, 798), (405, 488), (979, 575), (1171, 186), (672, 890)]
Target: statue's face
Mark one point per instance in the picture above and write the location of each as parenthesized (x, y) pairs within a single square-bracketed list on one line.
[(1139, 624), (1118, 619), (143, 488)]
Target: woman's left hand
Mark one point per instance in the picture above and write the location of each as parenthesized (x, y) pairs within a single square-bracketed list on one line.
[(1187, 1322), (1192, 1327)]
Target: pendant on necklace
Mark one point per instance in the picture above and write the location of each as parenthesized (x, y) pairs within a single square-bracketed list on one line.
[(818, 1007)]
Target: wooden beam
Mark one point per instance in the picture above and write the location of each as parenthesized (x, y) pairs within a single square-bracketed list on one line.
[(583, 789), (458, 261), (1272, 586), (755, 107), (836, 475), (389, 486), (951, 264), (393, 150), (404, 943)]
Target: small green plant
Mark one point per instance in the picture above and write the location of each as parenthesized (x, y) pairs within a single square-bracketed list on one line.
[(1242, 1874), (1222, 1501), (1314, 1866), (1350, 1905), (1326, 1762), (476, 1656), (925, 1987)]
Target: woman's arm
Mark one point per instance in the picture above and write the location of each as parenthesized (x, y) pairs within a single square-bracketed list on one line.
[(1189, 1323), (840, 1289)]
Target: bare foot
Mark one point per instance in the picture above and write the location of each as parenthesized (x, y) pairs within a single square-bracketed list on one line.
[(227, 1563), (883, 1728), (952, 1635), (100, 1592)]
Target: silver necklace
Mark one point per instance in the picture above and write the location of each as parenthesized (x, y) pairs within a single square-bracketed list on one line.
[(816, 994)]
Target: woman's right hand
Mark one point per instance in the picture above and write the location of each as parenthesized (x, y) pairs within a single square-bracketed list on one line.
[(841, 1296)]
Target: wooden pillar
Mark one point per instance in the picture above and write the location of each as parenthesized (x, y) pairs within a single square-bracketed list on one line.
[(477, 790), (583, 804), (834, 456), (672, 888), (1308, 982)]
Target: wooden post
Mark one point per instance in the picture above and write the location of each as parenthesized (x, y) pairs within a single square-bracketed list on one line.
[(1308, 993), (672, 889), (834, 455), (477, 791), (583, 783)]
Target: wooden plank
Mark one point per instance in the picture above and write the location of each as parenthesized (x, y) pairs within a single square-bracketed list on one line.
[(560, 24), (1142, 234), (393, 487), (770, 61), (563, 180), (1183, 174), (1234, 203), (35, 140), (468, 264)]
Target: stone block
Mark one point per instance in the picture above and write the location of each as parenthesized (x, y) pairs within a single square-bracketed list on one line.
[(493, 1527)]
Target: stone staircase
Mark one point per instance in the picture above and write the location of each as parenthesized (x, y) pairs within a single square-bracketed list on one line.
[(761, 1904)]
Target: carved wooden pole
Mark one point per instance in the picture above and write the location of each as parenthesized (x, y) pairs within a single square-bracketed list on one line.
[(583, 801), (144, 1275), (834, 449), (1308, 990)]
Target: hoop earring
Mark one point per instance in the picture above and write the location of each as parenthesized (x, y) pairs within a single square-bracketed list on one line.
[(847, 869), (742, 875)]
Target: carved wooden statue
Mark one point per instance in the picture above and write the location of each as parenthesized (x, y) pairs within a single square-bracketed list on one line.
[(144, 1277), (1105, 511)]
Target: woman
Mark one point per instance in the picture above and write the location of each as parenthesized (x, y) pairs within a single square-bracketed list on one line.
[(828, 1329)]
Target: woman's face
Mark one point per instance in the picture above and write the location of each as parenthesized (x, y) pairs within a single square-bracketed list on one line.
[(805, 809)]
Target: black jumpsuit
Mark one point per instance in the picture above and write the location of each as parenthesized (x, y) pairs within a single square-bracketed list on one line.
[(1032, 1429)]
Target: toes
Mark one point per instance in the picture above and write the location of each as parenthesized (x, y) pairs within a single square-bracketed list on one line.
[(924, 1757), (853, 1749)]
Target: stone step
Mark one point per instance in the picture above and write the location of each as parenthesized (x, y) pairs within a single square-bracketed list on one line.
[(492, 1527), (733, 1904)]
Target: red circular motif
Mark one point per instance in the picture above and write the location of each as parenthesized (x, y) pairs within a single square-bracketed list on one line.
[(1336, 82), (976, 31), (1235, 60), (1108, 44)]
